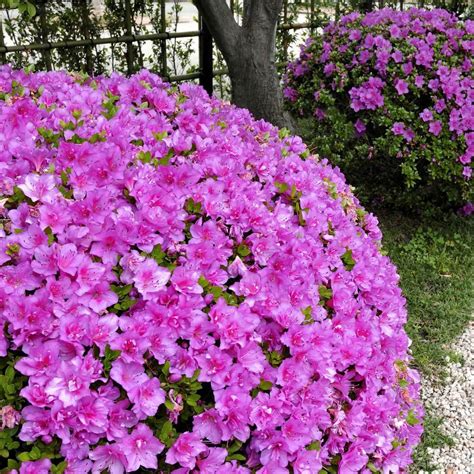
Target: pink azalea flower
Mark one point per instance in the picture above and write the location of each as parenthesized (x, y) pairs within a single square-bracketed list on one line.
[(147, 398), (426, 115), (37, 424), (42, 466), (401, 86), (419, 81), (41, 360), (186, 281), (100, 297), (207, 426), (276, 452), (150, 278), (360, 127), (70, 383), (108, 457), (68, 258), (45, 262), (39, 187), (214, 365), (53, 216), (92, 414), (213, 460), (354, 460), (89, 275), (308, 462), (9, 417), (33, 237), (120, 420), (141, 448), (435, 127), (129, 376), (185, 450), (252, 358)]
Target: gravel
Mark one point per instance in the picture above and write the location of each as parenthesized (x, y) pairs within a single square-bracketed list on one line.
[(454, 403)]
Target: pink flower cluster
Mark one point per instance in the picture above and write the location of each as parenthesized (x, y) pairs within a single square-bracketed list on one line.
[(407, 77), (154, 238), (368, 96)]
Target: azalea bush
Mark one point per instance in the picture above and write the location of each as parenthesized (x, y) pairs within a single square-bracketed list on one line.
[(186, 289), (397, 89)]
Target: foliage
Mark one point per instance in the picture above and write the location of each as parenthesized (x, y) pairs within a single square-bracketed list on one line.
[(398, 88), (185, 287)]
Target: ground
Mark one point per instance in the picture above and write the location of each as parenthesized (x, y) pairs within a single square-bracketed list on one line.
[(436, 263)]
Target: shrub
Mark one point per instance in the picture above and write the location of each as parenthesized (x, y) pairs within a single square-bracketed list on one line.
[(185, 288), (396, 90)]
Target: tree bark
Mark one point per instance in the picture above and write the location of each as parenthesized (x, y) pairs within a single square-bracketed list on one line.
[(366, 6), (249, 51)]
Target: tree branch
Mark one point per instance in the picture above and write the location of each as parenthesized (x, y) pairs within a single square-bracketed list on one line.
[(221, 23)]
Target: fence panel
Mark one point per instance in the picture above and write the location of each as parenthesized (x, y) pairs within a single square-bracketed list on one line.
[(131, 35)]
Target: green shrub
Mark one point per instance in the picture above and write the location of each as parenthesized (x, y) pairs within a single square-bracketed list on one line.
[(396, 90)]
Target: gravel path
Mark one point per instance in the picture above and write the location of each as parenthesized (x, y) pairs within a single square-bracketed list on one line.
[(454, 402)]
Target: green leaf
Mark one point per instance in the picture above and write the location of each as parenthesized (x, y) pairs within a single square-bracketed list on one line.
[(97, 137), (236, 457), (372, 468), (59, 468), (23, 457), (110, 108), (166, 368), (412, 420), (281, 187), (348, 260), (324, 292), (314, 446), (192, 399), (110, 354), (159, 136), (144, 156), (265, 385), (193, 207), (30, 9), (169, 404), (51, 236), (195, 375), (234, 447), (157, 254), (166, 429), (203, 282), (243, 250), (121, 291), (308, 315)]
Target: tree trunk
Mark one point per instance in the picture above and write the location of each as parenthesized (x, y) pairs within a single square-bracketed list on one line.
[(366, 6), (249, 52), (253, 73)]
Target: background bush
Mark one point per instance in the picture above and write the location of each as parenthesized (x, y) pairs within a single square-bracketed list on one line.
[(396, 90)]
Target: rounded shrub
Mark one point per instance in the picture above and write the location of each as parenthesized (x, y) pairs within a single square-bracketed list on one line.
[(390, 98), (186, 289)]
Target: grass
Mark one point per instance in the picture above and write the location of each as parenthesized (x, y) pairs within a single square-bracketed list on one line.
[(435, 261)]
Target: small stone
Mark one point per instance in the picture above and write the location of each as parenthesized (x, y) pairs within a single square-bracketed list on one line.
[(453, 403)]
